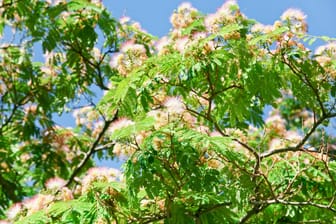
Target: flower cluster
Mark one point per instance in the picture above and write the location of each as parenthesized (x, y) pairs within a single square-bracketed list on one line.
[(326, 57), (192, 39), (98, 174), (226, 14), (46, 199), (123, 150), (89, 119), (120, 123), (131, 56), (296, 19), (184, 16), (29, 206), (174, 105), (279, 136), (60, 138)]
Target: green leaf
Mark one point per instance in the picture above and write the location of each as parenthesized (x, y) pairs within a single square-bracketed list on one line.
[(230, 28), (75, 5), (312, 40), (333, 90), (126, 132), (266, 37), (39, 217), (58, 208)]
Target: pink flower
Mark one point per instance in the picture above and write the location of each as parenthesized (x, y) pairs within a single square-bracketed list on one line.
[(293, 14), (328, 48), (184, 16), (161, 44), (211, 21), (55, 183), (226, 8), (66, 194), (174, 105), (185, 6), (260, 28), (126, 45), (181, 44), (14, 210), (131, 56), (5, 222), (99, 174), (37, 202), (120, 123), (124, 19)]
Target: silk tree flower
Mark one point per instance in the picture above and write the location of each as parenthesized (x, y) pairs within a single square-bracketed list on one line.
[(326, 57), (96, 2), (276, 143), (184, 16), (275, 123), (162, 45), (14, 210), (296, 19), (224, 14), (328, 49), (120, 123), (37, 202), (181, 44), (103, 174), (131, 56), (291, 14), (123, 151), (124, 19), (161, 118), (174, 105), (55, 183), (261, 28), (292, 138), (56, 2)]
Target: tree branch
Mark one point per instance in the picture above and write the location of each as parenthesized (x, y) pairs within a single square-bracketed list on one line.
[(92, 149), (305, 80), (294, 203), (299, 146), (100, 81), (255, 210)]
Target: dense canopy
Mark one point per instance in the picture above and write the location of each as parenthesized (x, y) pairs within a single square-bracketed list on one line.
[(224, 120)]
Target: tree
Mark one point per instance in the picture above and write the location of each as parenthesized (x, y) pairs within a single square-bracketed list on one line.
[(224, 120)]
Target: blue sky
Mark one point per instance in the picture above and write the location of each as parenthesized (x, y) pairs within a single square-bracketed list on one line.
[(154, 14)]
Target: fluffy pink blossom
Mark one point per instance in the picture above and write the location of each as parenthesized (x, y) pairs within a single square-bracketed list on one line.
[(328, 48), (161, 45), (120, 123), (55, 183), (161, 118), (124, 19), (5, 222), (131, 56), (184, 16), (261, 28), (99, 174), (226, 8), (37, 202), (295, 14), (181, 44), (14, 210), (297, 20), (174, 105)]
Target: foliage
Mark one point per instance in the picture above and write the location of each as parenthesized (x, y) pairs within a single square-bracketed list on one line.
[(224, 120)]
